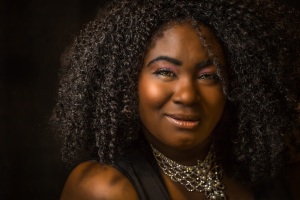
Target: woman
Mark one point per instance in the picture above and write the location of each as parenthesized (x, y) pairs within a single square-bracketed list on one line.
[(183, 100)]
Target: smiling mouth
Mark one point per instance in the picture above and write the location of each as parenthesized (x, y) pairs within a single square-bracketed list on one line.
[(183, 123)]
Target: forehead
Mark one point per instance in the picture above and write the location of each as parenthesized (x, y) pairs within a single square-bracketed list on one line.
[(183, 33)]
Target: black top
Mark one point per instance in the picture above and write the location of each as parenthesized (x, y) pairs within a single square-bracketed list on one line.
[(146, 179)]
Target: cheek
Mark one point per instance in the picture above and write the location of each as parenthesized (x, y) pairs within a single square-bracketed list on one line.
[(151, 93), (214, 99)]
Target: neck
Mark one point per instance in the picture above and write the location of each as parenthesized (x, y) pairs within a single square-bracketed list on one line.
[(181, 154), (204, 177)]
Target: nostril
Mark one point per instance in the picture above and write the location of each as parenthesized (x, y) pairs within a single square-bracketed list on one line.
[(186, 95)]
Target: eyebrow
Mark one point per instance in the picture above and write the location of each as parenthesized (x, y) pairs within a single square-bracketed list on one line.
[(178, 62), (166, 58)]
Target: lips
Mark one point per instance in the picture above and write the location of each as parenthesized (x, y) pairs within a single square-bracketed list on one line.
[(183, 121)]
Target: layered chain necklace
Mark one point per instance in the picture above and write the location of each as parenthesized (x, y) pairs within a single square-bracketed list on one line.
[(203, 177)]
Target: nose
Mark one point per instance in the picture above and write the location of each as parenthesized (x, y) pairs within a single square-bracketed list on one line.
[(186, 92)]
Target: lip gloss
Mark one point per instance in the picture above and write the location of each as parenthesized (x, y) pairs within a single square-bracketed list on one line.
[(183, 123)]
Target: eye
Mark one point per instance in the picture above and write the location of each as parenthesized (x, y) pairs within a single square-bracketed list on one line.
[(165, 73), (209, 78)]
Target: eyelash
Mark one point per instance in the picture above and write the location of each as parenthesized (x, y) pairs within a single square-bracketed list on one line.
[(169, 73), (209, 76), (165, 72)]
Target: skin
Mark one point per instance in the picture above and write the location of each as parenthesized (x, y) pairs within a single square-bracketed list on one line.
[(179, 87), (92, 181), (180, 105)]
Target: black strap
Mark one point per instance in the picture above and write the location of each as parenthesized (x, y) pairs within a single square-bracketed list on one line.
[(143, 177), (124, 167)]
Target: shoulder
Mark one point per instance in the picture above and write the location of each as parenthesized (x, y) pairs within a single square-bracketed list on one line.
[(91, 180)]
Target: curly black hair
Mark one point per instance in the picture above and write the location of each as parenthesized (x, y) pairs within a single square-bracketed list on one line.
[(97, 103)]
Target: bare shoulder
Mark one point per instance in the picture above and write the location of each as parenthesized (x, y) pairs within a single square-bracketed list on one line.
[(91, 181)]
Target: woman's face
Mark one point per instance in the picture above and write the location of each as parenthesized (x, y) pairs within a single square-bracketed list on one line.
[(180, 95)]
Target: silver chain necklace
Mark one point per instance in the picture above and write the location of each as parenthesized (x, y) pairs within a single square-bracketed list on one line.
[(203, 177)]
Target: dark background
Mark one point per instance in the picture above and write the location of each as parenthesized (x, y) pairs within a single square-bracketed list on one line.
[(33, 34)]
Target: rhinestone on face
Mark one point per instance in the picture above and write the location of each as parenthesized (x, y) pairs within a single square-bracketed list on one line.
[(203, 177)]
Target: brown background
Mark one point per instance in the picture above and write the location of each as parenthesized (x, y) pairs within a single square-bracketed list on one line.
[(33, 34)]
